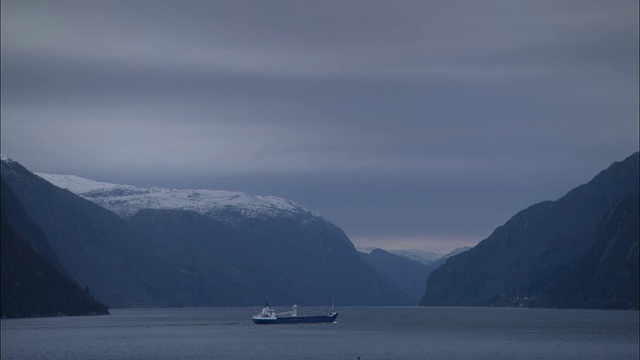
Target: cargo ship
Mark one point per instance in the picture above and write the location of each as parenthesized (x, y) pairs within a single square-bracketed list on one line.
[(269, 316)]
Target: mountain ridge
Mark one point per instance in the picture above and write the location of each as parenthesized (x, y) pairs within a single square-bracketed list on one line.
[(127, 200), (534, 249), (180, 257)]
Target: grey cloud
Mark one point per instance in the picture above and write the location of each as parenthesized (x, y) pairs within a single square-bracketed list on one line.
[(316, 38), (393, 119)]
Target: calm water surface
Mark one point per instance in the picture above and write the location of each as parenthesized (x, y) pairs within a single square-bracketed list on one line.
[(368, 333)]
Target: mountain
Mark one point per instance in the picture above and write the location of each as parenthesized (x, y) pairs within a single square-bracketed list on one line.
[(608, 276), (227, 206), (456, 251), (167, 247), (405, 273), (291, 261), (33, 282), (546, 248), (406, 269), (98, 249), (438, 262), (423, 256)]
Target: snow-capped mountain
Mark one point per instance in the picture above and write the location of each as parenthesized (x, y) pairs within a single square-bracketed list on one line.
[(423, 256), (5, 158), (127, 200), (162, 250)]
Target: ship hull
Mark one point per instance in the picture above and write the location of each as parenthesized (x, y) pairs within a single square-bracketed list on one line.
[(298, 319)]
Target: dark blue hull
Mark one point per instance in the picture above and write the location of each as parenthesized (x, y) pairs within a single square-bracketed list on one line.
[(299, 319)]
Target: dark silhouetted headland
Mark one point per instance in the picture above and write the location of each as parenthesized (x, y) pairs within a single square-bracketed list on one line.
[(578, 251)]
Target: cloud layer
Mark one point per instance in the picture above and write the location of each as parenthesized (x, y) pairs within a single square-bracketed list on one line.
[(397, 120)]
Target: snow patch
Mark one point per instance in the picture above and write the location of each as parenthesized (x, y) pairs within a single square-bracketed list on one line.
[(79, 185), (127, 200)]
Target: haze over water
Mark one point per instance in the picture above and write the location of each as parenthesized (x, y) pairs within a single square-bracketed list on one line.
[(368, 333)]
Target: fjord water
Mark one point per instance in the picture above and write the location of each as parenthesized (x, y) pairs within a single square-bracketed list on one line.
[(365, 332)]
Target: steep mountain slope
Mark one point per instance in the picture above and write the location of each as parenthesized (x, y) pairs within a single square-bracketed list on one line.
[(608, 276), (197, 247), (536, 250), (31, 284), (100, 250), (284, 259), (14, 215)]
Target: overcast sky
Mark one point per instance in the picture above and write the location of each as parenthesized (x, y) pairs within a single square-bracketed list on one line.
[(409, 124)]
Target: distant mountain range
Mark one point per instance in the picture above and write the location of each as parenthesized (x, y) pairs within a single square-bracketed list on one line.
[(578, 251), (424, 256), (407, 274), (163, 247), (406, 269), (67, 241)]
